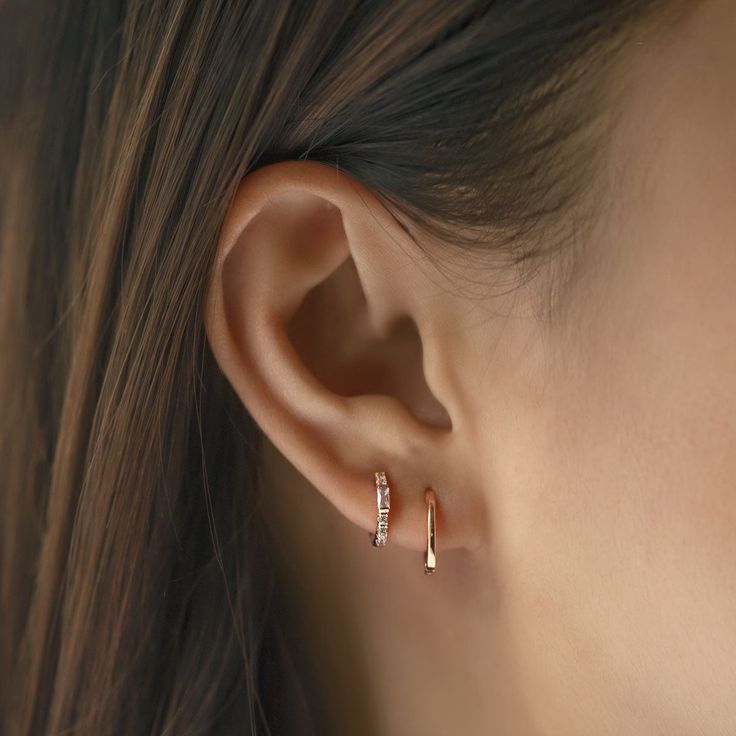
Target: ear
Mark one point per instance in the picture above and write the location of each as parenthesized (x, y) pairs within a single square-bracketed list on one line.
[(330, 324)]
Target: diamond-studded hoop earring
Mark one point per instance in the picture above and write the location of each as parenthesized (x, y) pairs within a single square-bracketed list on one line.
[(383, 503), (430, 556)]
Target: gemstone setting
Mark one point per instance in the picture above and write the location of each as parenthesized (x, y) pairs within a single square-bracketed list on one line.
[(383, 503), (383, 494)]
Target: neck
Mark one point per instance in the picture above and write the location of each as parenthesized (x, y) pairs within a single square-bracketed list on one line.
[(397, 651)]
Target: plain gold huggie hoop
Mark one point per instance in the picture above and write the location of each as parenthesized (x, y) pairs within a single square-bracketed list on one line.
[(430, 556)]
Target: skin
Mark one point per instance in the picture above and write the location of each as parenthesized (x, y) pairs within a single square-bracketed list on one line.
[(583, 458)]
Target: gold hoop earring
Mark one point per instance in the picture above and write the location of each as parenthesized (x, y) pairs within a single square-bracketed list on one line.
[(383, 504), (430, 556)]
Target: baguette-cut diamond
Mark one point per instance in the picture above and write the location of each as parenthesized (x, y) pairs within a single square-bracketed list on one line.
[(383, 497)]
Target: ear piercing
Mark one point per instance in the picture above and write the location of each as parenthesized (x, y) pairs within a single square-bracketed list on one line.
[(383, 506)]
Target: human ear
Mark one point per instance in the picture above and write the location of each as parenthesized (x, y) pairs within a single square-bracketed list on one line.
[(323, 315)]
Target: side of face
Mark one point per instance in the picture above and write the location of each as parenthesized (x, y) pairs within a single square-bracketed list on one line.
[(585, 456), (614, 502)]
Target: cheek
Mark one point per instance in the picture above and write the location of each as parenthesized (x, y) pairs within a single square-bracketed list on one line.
[(618, 539), (616, 530)]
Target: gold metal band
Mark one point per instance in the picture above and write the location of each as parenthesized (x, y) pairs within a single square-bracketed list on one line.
[(430, 556)]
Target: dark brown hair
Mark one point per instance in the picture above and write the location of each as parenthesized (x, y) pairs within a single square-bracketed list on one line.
[(138, 592)]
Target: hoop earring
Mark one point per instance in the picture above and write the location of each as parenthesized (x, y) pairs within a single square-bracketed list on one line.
[(430, 556), (383, 504)]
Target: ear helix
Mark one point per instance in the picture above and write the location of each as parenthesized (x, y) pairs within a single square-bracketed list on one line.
[(383, 507)]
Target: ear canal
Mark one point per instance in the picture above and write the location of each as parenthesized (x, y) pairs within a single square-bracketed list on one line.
[(351, 359)]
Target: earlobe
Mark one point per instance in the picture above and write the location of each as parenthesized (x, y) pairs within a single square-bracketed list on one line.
[(306, 319)]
